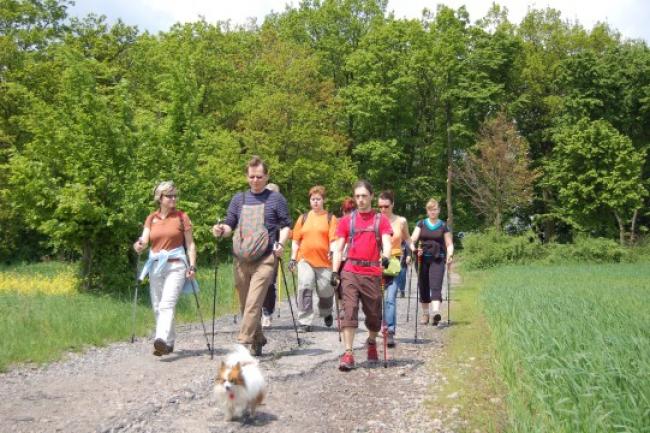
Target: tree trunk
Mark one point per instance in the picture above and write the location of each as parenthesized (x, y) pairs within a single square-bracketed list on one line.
[(633, 227), (549, 226), (450, 212), (621, 229), (86, 263)]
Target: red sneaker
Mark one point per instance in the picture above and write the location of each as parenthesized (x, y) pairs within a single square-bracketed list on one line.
[(347, 362), (372, 351)]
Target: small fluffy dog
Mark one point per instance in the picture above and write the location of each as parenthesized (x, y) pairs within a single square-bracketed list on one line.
[(239, 384)]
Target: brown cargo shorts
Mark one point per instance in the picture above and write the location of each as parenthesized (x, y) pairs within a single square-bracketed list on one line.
[(364, 288)]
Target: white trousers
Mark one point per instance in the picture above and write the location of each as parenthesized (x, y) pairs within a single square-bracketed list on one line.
[(165, 289)]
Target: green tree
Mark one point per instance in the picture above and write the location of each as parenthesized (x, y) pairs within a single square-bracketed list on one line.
[(596, 173), (68, 182)]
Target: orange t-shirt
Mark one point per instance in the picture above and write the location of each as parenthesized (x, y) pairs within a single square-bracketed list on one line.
[(396, 238), (315, 237), (165, 233)]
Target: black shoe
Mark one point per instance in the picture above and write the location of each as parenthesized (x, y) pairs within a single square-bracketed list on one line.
[(329, 320), (401, 294), (436, 319), (304, 328), (161, 348), (256, 349)]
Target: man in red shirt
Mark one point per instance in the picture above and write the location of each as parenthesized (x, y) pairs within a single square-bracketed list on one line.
[(369, 236)]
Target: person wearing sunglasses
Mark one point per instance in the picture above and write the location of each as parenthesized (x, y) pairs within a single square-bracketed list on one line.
[(171, 265), (385, 203)]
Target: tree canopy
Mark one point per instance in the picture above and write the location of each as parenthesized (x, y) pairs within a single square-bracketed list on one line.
[(92, 115)]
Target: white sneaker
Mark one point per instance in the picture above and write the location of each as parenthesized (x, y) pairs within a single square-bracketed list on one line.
[(266, 321)]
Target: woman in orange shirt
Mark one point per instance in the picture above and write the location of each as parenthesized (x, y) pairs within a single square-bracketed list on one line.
[(310, 254)]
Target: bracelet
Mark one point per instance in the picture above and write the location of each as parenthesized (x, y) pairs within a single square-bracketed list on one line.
[(277, 244), (192, 268)]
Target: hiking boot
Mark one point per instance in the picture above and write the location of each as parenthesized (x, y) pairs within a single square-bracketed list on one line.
[(329, 320), (390, 339), (424, 320), (266, 321), (347, 361), (372, 351), (304, 328), (157, 353), (161, 348), (256, 349), (436, 318)]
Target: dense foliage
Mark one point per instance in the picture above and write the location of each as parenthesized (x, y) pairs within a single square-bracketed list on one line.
[(92, 115)]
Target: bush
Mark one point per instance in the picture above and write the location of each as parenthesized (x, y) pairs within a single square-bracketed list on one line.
[(491, 248), (585, 249)]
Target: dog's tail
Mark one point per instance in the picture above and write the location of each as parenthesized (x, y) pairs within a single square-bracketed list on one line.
[(242, 355)]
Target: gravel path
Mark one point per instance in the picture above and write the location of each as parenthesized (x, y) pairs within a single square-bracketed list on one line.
[(124, 388)]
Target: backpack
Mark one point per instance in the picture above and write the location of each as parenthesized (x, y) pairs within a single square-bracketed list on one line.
[(306, 214), (251, 237), (375, 228)]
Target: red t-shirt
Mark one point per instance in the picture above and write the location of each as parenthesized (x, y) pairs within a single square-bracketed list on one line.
[(365, 243)]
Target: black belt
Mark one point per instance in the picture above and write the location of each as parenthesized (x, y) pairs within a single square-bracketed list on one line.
[(366, 263)]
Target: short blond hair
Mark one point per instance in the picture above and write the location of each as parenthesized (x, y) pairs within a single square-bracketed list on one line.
[(163, 187), (432, 203)]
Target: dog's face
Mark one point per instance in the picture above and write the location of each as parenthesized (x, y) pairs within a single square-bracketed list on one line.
[(229, 378)]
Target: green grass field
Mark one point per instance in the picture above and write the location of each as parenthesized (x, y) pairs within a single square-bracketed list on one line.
[(39, 326), (572, 345)]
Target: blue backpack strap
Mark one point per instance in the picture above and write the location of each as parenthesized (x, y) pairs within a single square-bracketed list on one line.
[(353, 218), (377, 236)]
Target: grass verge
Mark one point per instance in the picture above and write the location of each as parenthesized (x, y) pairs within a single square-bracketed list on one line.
[(40, 320), (472, 388)]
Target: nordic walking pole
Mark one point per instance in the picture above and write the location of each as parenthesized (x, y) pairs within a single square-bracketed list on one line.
[(409, 275), (278, 290), (417, 292), (198, 308), (448, 292), (338, 311), (135, 298), (295, 289), (286, 288), (214, 293), (384, 327)]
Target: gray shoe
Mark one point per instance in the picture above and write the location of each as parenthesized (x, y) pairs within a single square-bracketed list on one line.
[(390, 339), (304, 328)]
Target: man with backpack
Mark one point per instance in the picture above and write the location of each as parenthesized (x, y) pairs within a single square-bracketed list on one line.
[(368, 234), (255, 218), (310, 254)]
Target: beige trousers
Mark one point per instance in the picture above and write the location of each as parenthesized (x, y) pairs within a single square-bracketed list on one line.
[(252, 280)]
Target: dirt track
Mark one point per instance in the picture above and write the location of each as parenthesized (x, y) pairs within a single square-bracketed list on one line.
[(123, 388)]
